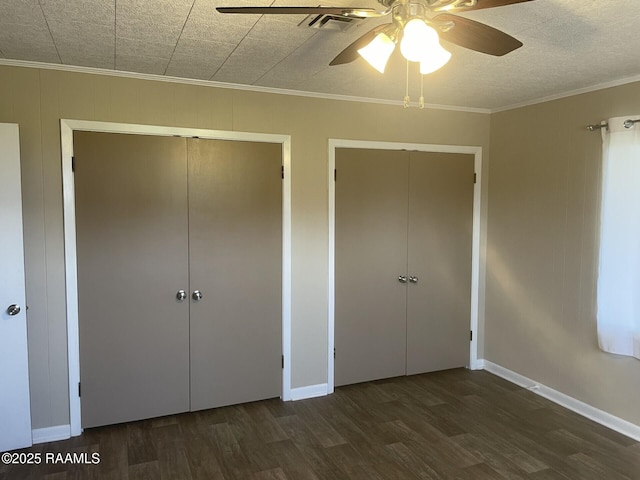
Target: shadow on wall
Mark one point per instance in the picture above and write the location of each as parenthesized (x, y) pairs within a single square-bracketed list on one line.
[(533, 326)]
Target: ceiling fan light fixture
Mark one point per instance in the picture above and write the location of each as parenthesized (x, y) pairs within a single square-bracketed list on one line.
[(378, 51), (434, 59), (417, 36)]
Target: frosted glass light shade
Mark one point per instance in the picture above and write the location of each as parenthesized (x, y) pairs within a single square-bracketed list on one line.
[(378, 51), (417, 38), (433, 59)]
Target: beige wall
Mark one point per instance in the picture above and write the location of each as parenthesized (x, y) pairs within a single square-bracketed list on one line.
[(38, 99), (542, 241), (542, 230)]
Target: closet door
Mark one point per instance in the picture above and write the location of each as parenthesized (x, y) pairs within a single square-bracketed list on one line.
[(132, 252), (370, 255), (235, 245), (440, 235)]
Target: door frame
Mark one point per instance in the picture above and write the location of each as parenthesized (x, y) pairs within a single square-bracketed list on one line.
[(67, 127), (477, 260)]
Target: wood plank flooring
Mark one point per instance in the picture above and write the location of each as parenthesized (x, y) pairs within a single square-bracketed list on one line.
[(457, 424)]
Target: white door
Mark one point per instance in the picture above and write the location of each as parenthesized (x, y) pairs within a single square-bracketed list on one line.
[(15, 413)]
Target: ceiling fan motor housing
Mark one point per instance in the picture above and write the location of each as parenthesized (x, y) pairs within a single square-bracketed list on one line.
[(433, 5)]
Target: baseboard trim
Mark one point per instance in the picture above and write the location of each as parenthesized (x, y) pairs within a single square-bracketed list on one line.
[(599, 416), (310, 391), (477, 364), (51, 434)]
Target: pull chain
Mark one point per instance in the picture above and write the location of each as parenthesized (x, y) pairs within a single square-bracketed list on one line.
[(406, 94), (407, 99)]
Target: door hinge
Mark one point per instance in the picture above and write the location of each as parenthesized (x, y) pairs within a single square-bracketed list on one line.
[(475, 177), (334, 352), (335, 174), (282, 361), (73, 164), (79, 390), (471, 335), (282, 171)]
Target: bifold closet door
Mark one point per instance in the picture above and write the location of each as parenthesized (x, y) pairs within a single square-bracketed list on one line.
[(235, 245), (370, 255), (132, 253), (440, 234)]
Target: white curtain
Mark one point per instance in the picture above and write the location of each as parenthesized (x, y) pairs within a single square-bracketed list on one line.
[(619, 273)]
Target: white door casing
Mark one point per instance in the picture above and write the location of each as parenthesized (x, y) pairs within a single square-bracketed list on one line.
[(477, 260), (15, 408), (67, 127)]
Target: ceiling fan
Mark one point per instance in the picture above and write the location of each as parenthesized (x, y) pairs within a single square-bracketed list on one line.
[(408, 20)]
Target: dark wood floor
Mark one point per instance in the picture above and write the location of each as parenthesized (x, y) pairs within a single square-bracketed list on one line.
[(456, 424)]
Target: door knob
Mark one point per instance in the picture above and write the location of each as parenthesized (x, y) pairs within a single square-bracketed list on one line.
[(413, 279), (13, 310), (197, 295), (402, 279), (181, 295)]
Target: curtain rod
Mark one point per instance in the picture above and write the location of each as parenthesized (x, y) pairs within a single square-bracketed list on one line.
[(627, 124)]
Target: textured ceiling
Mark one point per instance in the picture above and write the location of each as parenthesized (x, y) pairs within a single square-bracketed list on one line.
[(568, 45)]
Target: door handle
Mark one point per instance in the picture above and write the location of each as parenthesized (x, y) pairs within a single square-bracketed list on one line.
[(402, 279), (413, 279), (13, 310), (181, 295), (197, 295)]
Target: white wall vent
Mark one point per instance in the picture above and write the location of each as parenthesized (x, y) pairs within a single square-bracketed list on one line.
[(330, 22)]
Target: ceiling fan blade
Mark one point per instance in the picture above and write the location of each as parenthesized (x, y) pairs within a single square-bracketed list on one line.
[(342, 11), (350, 53), (488, 4), (477, 36)]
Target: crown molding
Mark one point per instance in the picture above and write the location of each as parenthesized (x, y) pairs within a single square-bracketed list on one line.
[(229, 86), (301, 93), (570, 93)]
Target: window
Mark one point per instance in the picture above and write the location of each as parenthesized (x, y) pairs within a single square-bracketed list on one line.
[(619, 271)]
